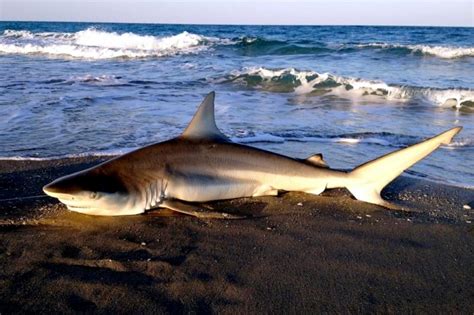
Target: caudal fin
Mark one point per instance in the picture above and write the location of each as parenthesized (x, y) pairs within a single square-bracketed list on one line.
[(366, 181)]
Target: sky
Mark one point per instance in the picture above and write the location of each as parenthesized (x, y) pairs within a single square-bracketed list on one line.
[(282, 12)]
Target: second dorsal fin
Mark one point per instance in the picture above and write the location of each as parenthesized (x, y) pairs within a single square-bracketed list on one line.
[(316, 160), (203, 125)]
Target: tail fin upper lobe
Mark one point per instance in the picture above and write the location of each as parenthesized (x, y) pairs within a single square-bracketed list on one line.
[(366, 181)]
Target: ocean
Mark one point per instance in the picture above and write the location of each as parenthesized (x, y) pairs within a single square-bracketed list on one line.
[(350, 92)]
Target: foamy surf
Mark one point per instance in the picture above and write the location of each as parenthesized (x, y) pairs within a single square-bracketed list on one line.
[(265, 46), (96, 44), (104, 79), (131, 45), (373, 138), (314, 83)]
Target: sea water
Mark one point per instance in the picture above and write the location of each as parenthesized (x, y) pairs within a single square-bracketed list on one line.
[(350, 92)]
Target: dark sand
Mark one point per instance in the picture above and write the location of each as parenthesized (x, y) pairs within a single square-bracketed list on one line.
[(300, 254)]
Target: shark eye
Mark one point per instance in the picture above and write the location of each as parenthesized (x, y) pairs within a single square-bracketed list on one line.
[(94, 195)]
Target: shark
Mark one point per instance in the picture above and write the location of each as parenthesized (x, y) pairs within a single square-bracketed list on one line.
[(202, 165)]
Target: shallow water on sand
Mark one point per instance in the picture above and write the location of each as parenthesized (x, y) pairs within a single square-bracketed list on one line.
[(352, 93)]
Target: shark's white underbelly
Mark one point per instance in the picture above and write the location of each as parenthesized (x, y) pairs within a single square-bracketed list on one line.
[(231, 184), (215, 189)]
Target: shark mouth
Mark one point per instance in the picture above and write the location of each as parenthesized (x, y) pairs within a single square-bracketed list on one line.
[(74, 205), (76, 208)]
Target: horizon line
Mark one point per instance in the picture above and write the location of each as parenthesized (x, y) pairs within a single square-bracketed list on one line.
[(234, 24)]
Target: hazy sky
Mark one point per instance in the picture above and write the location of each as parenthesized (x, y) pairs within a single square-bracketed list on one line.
[(340, 12)]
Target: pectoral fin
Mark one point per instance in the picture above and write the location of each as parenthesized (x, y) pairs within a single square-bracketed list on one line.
[(198, 212)]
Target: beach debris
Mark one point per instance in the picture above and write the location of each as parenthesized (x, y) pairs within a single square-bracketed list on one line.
[(368, 215), (359, 217), (299, 204), (466, 207), (468, 221), (143, 243)]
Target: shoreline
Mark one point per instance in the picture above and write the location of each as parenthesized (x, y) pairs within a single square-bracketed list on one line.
[(298, 253)]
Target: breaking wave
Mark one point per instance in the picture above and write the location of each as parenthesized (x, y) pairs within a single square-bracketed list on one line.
[(263, 46), (93, 43), (313, 83), (257, 45), (96, 44), (445, 52)]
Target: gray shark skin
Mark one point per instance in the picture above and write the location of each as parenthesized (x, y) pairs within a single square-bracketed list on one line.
[(204, 165)]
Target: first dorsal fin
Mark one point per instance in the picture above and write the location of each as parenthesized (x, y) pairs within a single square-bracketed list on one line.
[(203, 125), (316, 160)]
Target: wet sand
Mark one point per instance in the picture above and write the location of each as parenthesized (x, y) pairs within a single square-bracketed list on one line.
[(298, 253)]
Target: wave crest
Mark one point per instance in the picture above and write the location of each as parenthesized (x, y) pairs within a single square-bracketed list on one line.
[(445, 52), (316, 84), (96, 38), (263, 46), (259, 45), (255, 46), (96, 44), (114, 45)]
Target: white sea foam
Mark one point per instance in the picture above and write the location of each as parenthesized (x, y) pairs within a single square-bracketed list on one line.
[(445, 52), (96, 38), (259, 138), (104, 79), (96, 44), (462, 143), (104, 153), (17, 34), (67, 156), (305, 82), (381, 139), (23, 34), (74, 51)]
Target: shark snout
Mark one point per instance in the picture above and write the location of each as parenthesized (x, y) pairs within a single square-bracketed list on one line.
[(60, 188), (50, 189), (54, 191), (64, 195)]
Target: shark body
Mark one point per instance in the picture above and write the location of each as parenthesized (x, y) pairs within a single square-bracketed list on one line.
[(204, 165)]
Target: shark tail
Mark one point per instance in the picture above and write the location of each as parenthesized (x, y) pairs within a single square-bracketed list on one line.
[(366, 181)]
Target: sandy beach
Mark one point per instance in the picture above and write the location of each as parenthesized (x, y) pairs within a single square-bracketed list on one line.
[(296, 253)]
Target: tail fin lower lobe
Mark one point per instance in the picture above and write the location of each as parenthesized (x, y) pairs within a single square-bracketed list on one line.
[(366, 181)]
